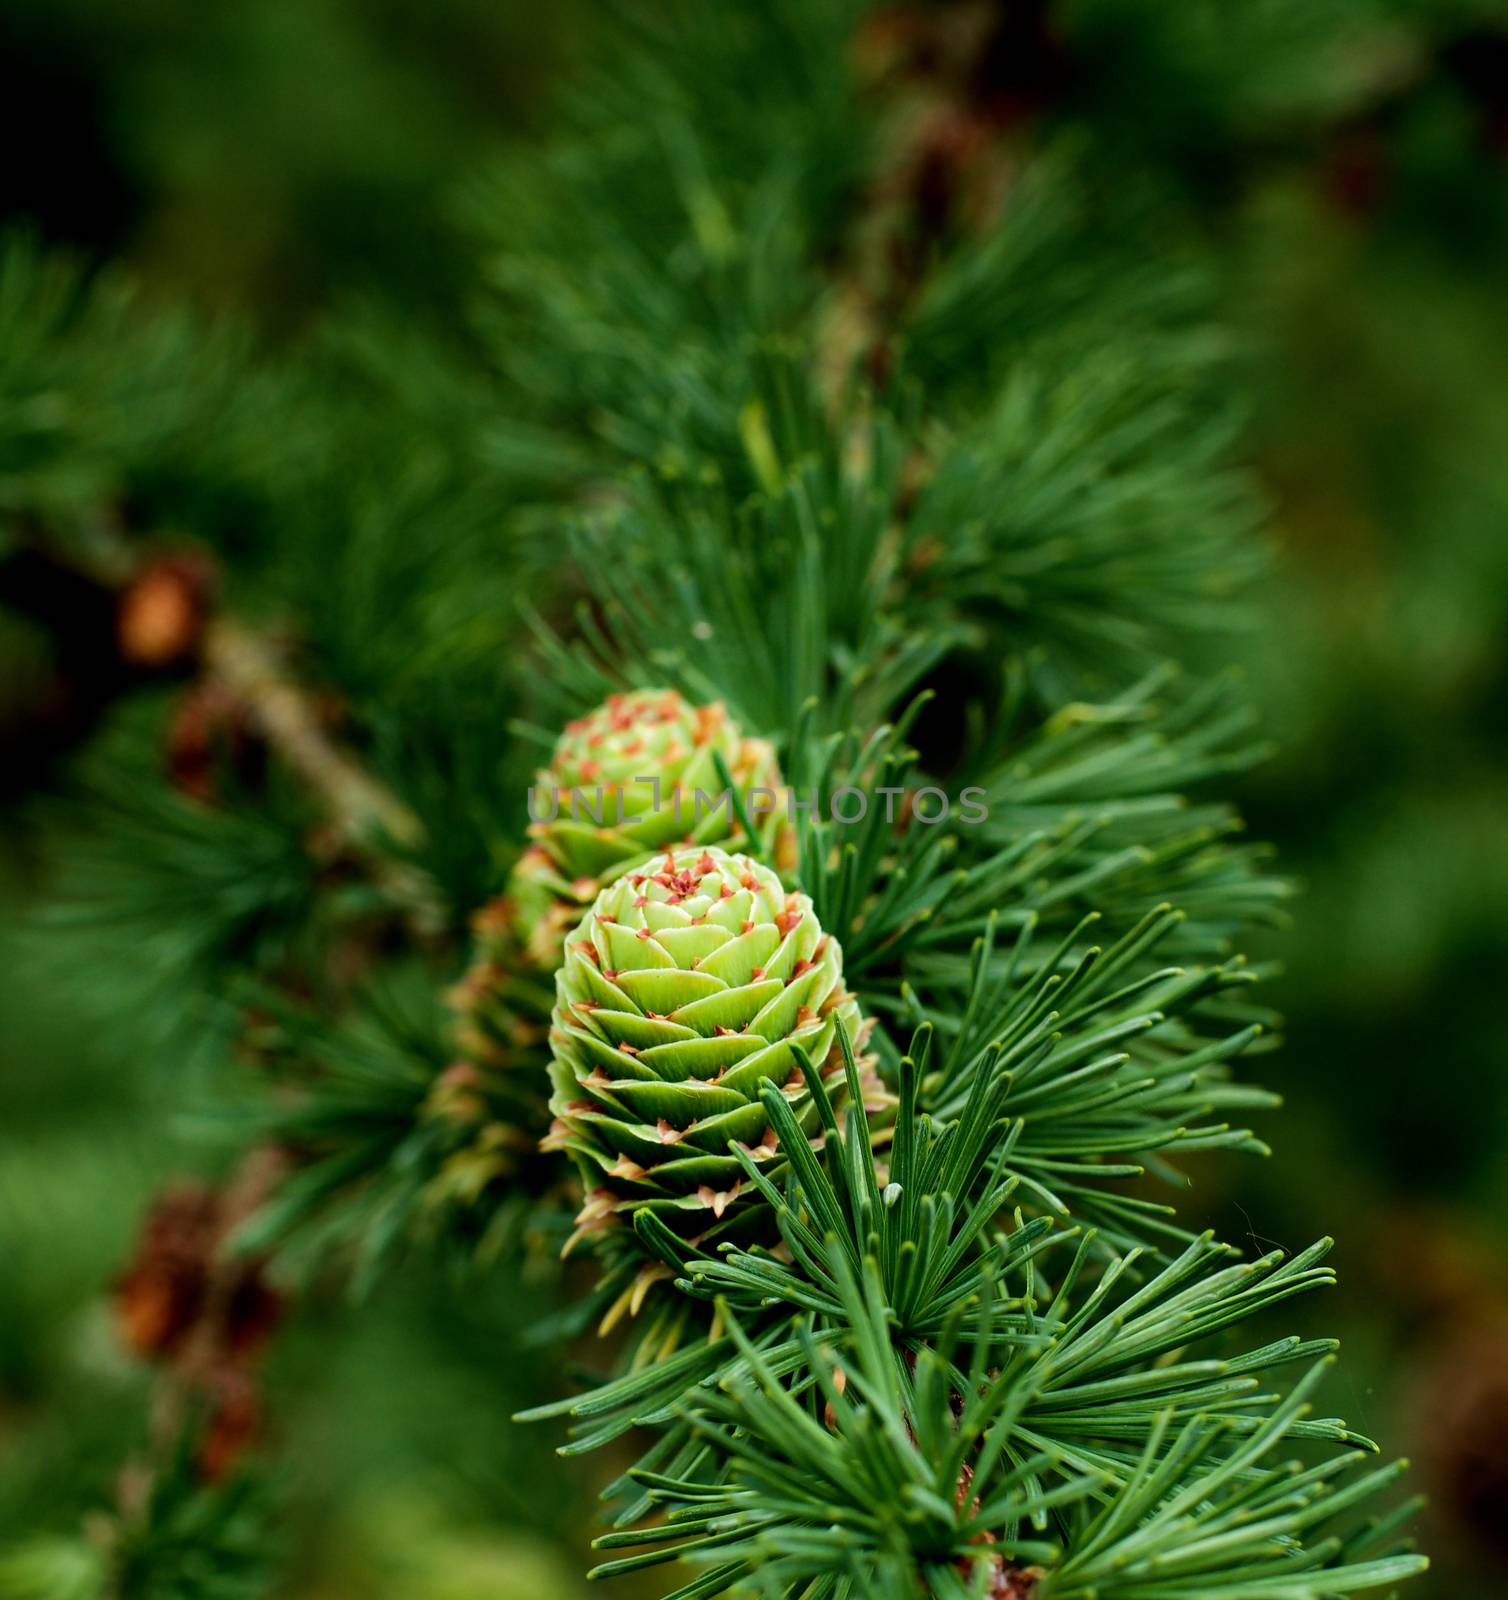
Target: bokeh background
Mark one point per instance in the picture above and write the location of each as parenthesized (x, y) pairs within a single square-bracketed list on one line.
[(279, 160)]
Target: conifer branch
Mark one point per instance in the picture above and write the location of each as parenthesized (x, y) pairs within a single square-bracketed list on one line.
[(843, 438), (359, 807), (363, 814)]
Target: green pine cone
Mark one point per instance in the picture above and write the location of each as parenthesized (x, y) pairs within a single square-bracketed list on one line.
[(624, 779), (682, 993), (636, 762), (650, 734), (502, 1003)]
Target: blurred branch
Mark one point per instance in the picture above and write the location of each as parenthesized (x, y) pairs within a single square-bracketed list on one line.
[(366, 817)]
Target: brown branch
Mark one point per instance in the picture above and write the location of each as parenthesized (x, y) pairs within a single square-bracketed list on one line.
[(366, 817), (953, 86), (285, 717)]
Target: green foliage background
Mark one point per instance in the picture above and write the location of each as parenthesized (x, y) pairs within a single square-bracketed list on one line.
[(295, 167)]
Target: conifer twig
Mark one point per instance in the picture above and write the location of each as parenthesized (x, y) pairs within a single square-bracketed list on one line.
[(359, 806), (366, 816)]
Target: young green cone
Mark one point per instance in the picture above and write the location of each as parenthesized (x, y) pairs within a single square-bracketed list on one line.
[(683, 992), (636, 775), (622, 782), (636, 763)]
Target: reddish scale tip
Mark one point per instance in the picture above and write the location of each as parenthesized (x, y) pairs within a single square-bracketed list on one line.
[(717, 1200)]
